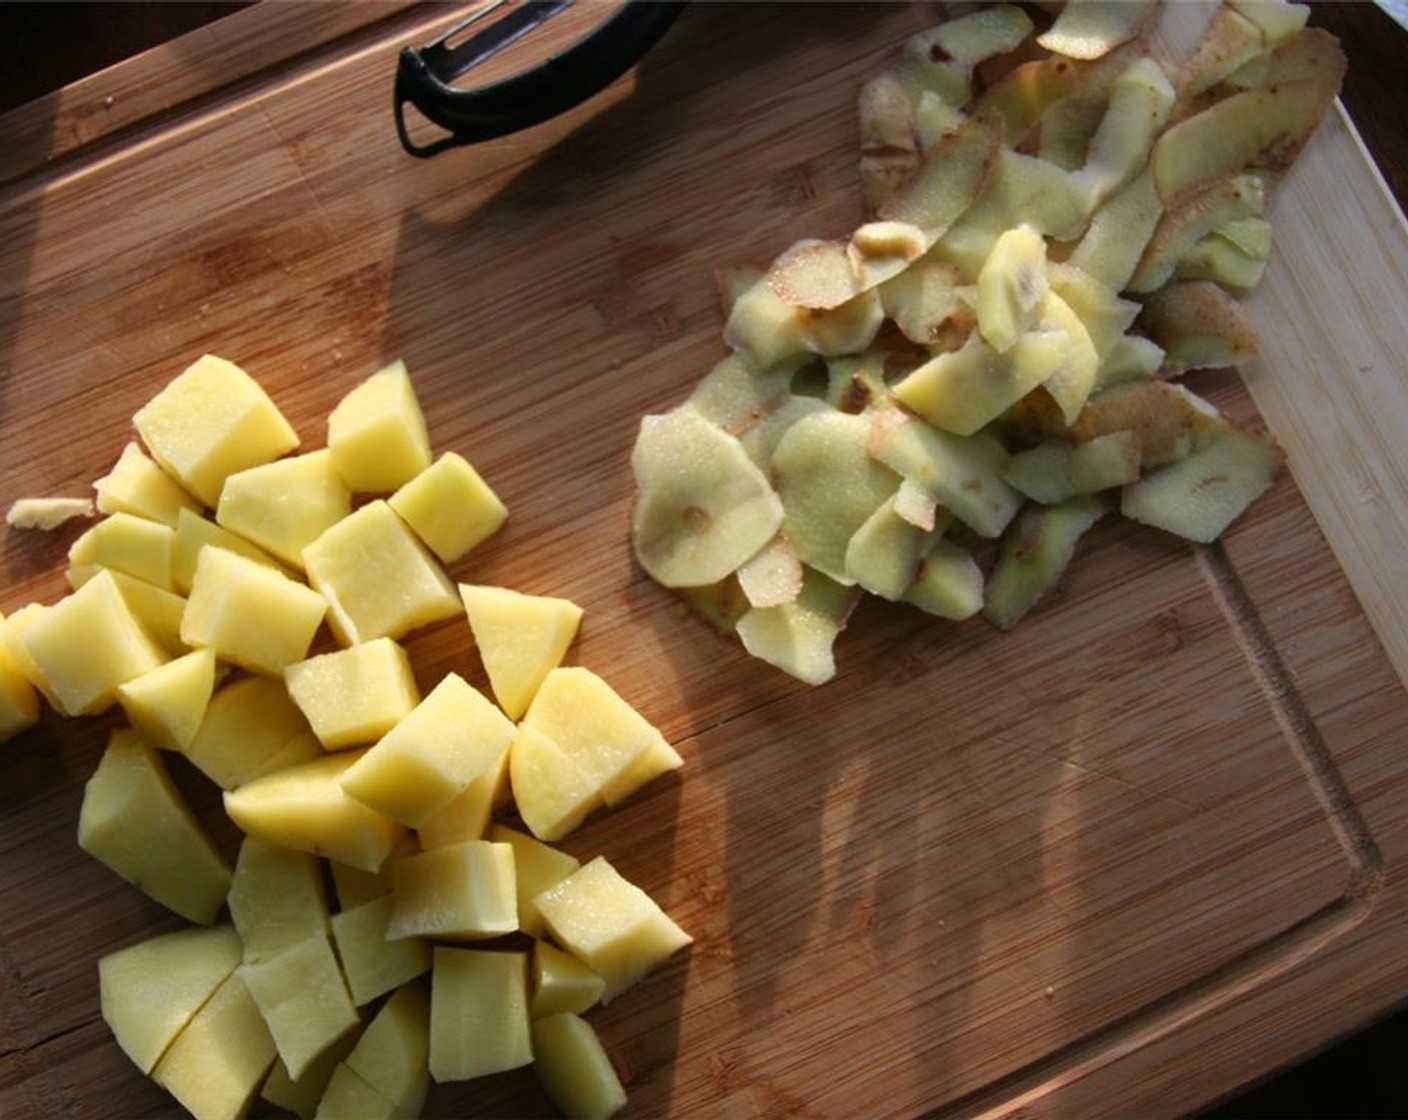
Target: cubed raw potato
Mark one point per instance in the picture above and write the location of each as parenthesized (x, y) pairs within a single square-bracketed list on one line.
[(354, 695), (394, 1052), (462, 892), (358, 559), (158, 610), (657, 759), (193, 533), (136, 485), (449, 507), (355, 886), (467, 816), (276, 897), (305, 808), (126, 544), (478, 1013), (86, 645), (372, 963), (609, 924), (247, 723), (10, 630), (430, 757), (19, 703), (554, 793), (298, 750), (592, 725), (302, 1095), (536, 867), (250, 614), (561, 983), (149, 991), (210, 422), (521, 638), (377, 433), (300, 991), (349, 1097), (573, 1069), (134, 820), (215, 1066), (284, 506), (167, 704)]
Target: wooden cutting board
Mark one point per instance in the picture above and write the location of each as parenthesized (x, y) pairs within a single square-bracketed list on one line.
[(1118, 862)]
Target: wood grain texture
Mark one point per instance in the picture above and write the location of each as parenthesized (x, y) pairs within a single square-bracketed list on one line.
[(1116, 862), (209, 58)]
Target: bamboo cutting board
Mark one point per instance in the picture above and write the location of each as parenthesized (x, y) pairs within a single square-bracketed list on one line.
[(1116, 863)]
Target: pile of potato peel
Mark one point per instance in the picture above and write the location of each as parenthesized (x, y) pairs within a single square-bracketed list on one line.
[(1062, 225)]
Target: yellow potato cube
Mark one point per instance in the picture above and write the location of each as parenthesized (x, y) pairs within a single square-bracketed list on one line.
[(149, 991), (610, 924), (302, 1095), (298, 750), (210, 422), (247, 723), (573, 1069), (377, 433), (461, 892), (249, 614), (467, 816), (478, 1013), (592, 725), (521, 638), (349, 1097), (393, 1054), (373, 963), (355, 695), (10, 630), (536, 867), (134, 820), (87, 644), (193, 533), (138, 486), (285, 505), (304, 807), (125, 544), (158, 610), (561, 983), (427, 760), (215, 1066), (449, 507), (167, 704), (19, 704), (354, 564), (657, 759), (553, 793), (354, 886), (300, 991), (276, 897)]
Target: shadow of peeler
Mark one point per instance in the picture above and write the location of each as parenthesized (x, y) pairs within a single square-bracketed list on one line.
[(533, 95)]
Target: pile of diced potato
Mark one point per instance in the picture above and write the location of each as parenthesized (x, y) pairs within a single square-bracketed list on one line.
[(336, 766)]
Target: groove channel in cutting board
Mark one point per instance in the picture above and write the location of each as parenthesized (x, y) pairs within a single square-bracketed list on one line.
[(976, 869)]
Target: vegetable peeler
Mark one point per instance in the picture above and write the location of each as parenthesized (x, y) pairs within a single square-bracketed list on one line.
[(534, 95)]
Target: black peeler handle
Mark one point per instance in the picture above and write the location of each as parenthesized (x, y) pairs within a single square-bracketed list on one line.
[(532, 96)]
